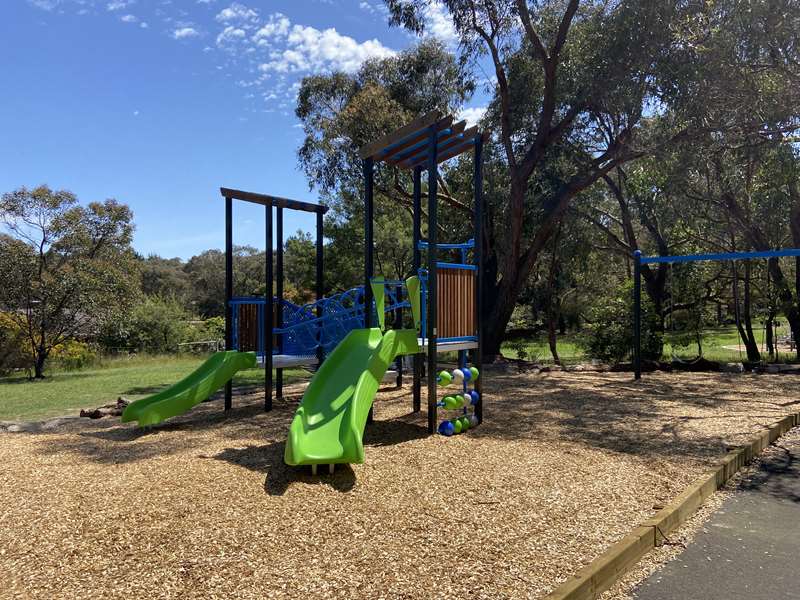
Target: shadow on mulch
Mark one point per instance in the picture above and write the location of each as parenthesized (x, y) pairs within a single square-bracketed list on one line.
[(617, 415), (268, 459)]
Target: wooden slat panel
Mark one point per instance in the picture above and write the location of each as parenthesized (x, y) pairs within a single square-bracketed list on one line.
[(456, 302), (248, 327)]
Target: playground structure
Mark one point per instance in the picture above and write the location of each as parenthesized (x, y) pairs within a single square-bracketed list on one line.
[(639, 260), (345, 334)]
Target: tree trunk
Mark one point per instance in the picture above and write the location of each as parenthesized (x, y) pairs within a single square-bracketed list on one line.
[(38, 363), (753, 354), (769, 331)]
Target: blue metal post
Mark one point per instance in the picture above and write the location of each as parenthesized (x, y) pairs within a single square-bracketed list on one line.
[(228, 290), (433, 172)]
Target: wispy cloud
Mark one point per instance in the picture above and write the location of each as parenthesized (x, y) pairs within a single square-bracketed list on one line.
[(182, 33), (472, 115), (119, 4)]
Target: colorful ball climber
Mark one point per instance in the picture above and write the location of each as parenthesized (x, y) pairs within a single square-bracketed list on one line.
[(446, 428)]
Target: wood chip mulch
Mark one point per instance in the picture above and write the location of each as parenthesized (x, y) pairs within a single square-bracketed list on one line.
[(203, 506)]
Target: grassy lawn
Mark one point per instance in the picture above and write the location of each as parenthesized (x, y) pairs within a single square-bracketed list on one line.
[(64, 393), (714, 347)]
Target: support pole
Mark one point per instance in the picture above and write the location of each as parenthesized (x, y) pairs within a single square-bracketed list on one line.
[(432, 273), (320, 287), (369, 248), (398, 324), (228, 290), (479, 255), (369, 245), (279, 293), (417, 234), (637, 314), (268, 312)]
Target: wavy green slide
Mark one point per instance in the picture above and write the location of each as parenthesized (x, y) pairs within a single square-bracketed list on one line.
[(191, 390), (328, 426)]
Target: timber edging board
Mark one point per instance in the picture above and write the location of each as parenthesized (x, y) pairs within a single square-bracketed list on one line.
[(608, 568)]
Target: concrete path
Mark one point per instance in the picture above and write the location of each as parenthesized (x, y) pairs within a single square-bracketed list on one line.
[(748, 549)]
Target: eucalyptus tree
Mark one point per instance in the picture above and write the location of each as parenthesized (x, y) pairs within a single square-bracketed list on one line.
[(64, 267)]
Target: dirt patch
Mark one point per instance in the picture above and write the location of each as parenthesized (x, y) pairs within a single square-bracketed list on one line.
[(203, 506)]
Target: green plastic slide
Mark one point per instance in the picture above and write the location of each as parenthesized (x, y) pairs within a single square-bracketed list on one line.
[(328, 426), (189, 391)]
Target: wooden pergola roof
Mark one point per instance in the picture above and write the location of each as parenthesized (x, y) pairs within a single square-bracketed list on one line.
[(265, 200), (409, 146)]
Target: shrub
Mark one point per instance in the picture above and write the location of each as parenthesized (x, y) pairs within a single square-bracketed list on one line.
[(609, 336), (14, 347), (155, 325), (72, 355)]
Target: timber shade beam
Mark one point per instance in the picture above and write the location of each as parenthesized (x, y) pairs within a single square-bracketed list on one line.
[(277, 201), (410, 145)]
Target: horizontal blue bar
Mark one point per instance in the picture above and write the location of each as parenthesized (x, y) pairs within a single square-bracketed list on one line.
[(470, 243), (446, 265), (723, 256), (463, 338)]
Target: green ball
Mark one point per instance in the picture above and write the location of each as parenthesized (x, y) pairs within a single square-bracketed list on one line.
[(450, 402), (475, 373), (445, 378), (459, 400), (465, 424), (457, 426)]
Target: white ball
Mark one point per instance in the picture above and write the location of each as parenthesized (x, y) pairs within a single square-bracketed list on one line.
[(458, 376)]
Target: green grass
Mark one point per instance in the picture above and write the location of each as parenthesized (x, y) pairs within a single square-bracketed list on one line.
[(714, 342), (538, 350), (63, 393)]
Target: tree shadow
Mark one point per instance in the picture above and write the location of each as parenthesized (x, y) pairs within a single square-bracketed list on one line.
[(777, 476), (267, 459), (621, 415), (145, 390), (394, 431)]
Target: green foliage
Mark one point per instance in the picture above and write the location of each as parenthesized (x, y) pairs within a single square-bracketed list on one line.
[(610, 332), (65, 267), (14, 347), (156, 325), (72, 355)]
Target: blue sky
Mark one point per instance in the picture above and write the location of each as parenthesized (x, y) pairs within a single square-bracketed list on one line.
[(158, 103)]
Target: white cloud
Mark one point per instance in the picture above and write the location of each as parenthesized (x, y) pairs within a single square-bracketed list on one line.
[(439, 24), (374, 9), (238, 15), (129, 19), (472, 115), (309, 49), (184, 33), (277, 26), (144, 25), (45, 4), (119, 4), (230, 35)]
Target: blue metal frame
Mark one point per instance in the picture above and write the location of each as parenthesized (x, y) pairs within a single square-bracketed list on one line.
[(303, 332), (645, 260), (639, 260)]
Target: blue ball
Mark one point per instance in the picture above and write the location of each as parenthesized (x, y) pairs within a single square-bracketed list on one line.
[(475, 396), (447, 428), (467, 374)]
